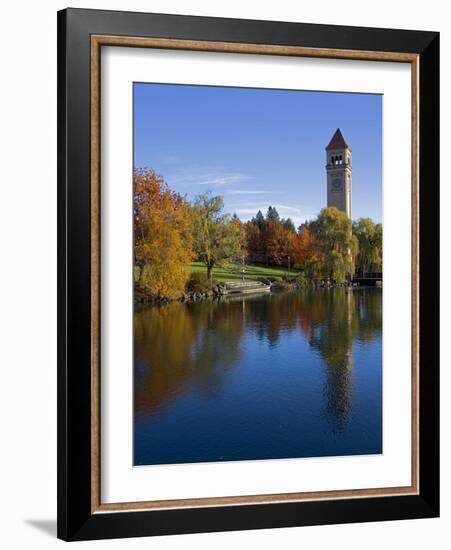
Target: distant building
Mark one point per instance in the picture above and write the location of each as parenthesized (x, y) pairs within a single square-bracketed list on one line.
[(339, 174)]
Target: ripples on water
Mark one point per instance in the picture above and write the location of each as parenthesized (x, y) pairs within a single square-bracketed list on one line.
[(268, 376)]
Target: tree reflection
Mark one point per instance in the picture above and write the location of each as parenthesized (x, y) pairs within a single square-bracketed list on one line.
[(179, 347)]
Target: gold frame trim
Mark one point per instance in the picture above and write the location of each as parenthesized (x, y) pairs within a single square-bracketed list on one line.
[(97, 41)]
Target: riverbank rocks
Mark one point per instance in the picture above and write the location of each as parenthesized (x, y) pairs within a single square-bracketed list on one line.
[(220, 289)]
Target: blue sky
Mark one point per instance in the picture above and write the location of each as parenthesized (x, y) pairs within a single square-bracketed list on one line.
[(258, 147)]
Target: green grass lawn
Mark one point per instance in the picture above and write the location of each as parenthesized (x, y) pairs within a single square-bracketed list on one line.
[(252, 273)]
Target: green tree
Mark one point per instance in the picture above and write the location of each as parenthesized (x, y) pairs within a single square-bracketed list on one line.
[(259, 221), (335, 244), (272, 216), (369, 236), (217, 237), (288, 225)]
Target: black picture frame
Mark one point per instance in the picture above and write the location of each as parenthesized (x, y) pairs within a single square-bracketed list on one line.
[(75, 518)]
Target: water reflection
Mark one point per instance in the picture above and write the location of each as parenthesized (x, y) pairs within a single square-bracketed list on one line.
[(199, 351), (342, 317), (178, 346)]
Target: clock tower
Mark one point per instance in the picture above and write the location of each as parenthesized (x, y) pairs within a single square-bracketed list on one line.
[(339, 174)]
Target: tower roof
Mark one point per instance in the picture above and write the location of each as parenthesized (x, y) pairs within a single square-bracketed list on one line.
[(337, 141)]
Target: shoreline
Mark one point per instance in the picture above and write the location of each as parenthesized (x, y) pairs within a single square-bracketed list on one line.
[(217, 294)]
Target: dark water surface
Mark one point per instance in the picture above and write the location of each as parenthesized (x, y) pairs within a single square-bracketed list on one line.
[(269, 376)]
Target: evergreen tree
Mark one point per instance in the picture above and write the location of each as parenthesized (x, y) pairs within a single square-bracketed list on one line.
[(288, 225), (259, 220), (272, 216)]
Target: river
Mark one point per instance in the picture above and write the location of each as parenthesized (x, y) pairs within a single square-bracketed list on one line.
[(277, 375)]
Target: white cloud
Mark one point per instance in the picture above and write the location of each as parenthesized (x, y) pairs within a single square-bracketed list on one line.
[(247, 192), (284, 208), (212, 177), (222, 180)]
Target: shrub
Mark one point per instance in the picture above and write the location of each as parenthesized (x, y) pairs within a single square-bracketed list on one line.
[(293, 282), (282, 284), (198, 282), (302, 281)]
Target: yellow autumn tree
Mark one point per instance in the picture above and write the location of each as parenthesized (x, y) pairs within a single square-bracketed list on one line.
[(162, 236)]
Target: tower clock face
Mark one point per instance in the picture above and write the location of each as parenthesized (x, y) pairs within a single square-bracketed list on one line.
[(336, 184)]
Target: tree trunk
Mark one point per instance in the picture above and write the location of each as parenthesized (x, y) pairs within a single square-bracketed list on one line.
[(210, 273), (141, 272)]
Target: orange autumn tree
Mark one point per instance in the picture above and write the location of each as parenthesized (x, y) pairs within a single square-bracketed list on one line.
[(279, 243), (162, 224), (255, 242), (301, 247)]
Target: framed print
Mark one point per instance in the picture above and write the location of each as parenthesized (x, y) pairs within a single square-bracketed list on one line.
[(248, 274)]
